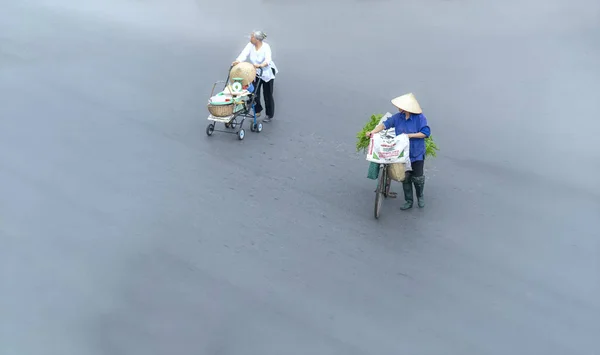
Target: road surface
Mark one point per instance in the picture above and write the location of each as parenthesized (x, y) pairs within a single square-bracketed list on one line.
[(124, 229)]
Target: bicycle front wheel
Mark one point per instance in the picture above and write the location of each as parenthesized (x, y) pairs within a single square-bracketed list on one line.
[(381, 186)]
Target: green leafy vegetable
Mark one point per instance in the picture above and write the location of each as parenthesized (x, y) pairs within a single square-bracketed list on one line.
[(363, 140), (430, 147)]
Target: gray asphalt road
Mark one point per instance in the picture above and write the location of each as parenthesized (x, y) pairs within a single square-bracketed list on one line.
[(124, 229)]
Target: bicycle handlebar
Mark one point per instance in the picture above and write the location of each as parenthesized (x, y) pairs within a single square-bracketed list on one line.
[(384, 132)]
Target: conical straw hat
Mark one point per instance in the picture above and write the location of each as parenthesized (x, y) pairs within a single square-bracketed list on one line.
[(244, 70), (407, 102)]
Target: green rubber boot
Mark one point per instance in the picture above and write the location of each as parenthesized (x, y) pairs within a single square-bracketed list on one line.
[(408, 192), (419, 186)]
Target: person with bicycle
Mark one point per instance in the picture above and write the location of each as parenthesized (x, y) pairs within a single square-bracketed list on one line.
[(411, 121)]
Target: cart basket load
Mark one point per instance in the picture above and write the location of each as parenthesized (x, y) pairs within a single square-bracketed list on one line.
[(232, 99)]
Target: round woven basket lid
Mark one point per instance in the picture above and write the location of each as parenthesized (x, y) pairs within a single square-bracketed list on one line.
[(245, 71)]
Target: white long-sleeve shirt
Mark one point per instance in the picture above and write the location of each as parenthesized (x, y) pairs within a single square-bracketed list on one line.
[(258, 57)]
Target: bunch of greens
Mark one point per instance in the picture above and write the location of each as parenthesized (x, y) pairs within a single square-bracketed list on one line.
[(430, 147), (363, 141)]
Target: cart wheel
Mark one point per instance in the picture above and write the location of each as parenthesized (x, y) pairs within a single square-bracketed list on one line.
[(210, 129), (227, 125), (233, 123), (241, 134), (259, 127), (252, 127)]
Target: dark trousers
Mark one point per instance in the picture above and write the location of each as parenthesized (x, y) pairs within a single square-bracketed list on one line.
[(267, 89), (417, 168)]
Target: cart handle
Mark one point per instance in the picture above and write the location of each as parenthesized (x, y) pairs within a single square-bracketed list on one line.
[(212, 92)]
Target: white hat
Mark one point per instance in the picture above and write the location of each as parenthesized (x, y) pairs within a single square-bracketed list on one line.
[(407, 102)]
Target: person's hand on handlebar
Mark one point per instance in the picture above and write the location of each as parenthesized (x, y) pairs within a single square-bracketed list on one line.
[(377, 129)]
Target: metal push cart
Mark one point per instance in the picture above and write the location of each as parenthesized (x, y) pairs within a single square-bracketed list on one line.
[(234, 115)]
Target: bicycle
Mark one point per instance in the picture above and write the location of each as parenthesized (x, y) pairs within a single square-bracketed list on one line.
[(383, 184)]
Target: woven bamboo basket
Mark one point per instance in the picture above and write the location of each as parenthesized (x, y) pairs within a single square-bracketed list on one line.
[(221, 110), (397, 172)]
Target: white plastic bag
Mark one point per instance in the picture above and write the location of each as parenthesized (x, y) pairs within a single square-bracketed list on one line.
[(221, 99), (384, 149), (401, 143)]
